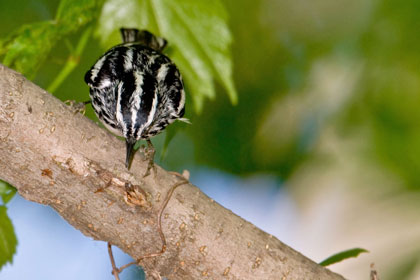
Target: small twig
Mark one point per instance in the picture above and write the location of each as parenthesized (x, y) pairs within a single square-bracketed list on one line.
[(159, 223), (373, 272), (125, 266), (115, 270)]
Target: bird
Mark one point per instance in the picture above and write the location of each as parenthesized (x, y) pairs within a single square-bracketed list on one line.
[(136, 91)]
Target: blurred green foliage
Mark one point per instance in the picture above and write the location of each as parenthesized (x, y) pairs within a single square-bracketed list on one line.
[(404, 269), (388, 97), (27, 47)]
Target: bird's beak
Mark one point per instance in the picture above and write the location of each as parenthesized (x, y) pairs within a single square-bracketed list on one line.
[(130, 147)]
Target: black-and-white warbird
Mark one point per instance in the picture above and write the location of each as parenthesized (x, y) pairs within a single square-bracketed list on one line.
[(135, 90)]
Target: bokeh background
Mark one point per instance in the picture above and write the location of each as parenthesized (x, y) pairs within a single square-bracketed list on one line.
[(322, 149)]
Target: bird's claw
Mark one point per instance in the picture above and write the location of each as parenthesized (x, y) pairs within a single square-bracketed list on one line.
[(149, 154), (76, 107)]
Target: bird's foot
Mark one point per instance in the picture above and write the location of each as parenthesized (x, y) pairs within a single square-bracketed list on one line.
[(77, 107), (149, 153)]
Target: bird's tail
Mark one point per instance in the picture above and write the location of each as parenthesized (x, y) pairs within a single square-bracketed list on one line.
[(133, 35)]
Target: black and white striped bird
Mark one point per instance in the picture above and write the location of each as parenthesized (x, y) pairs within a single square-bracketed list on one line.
[(136, 91)]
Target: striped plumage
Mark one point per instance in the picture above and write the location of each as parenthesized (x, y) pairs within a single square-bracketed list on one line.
[(136, 91)]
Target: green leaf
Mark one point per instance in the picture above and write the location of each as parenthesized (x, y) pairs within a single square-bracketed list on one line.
[(6, 191), (73, 14), (8, 240), (352, 253), (27, 48), (197, 32)]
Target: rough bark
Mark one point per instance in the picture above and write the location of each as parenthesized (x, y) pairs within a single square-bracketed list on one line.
[(62, 159)]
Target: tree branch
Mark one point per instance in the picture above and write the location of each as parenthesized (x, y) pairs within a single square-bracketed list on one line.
[(58, 158)]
